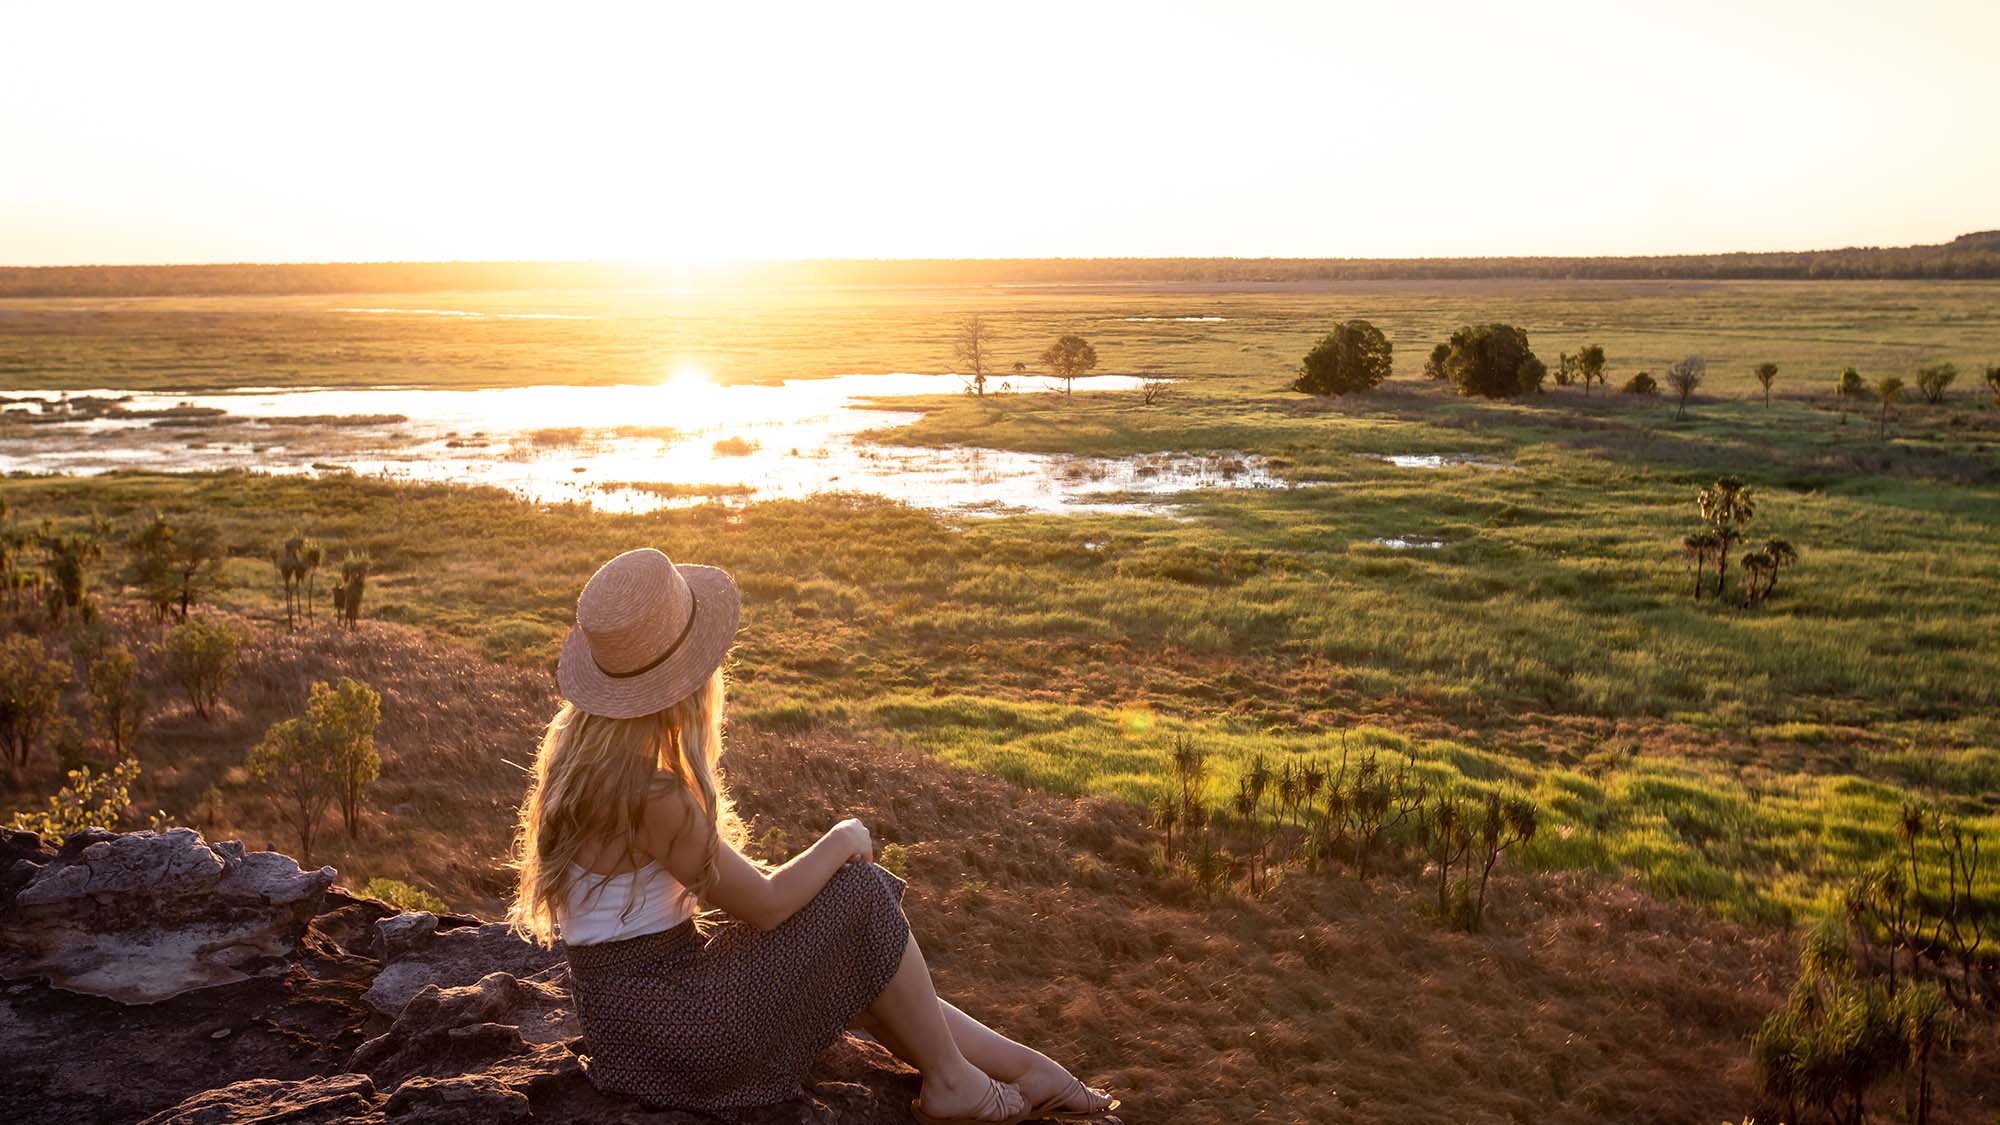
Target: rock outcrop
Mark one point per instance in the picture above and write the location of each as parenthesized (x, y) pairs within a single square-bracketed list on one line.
[(144, 917), (159, 978)]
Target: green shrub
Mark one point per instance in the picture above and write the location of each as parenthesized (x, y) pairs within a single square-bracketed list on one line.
[(1355, 356), (91, 799), (1491, 360), (201, 654), (31, 687), (403, 896), (1641, 384), (896, 859)]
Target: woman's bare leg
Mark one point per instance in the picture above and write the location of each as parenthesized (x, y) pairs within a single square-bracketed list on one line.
[(913, 1018), (1039, 1076)]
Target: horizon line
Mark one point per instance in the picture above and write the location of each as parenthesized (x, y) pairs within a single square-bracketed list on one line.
[(713, 263)]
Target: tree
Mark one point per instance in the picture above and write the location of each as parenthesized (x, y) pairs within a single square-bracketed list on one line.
[(1069, 357), (1590, 365), (1727, 508), (1565, 369), (1782, 555), (353, 581), (1837, 1035), (1934, 378), (1849, 388), (1766, 373), (197, 563), (1493, 360), (66, 559), (116, 701), (1699, 547), (1152, 386), (1434, 366), (1993, 380), (1505, 823), (1641, 384), (290, 561), (1355, 356), (344, 717), (1887, 390), (149, 564), (1446, 840), (31, 687), (973, 350), (1684, 376), (201, 653), (299, 770), (1757, 565), (175, 566)]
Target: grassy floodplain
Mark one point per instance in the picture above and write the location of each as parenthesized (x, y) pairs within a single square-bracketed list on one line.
[(740, 335), (1749, 760)]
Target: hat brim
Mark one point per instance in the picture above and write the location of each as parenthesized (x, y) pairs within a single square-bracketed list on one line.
[(718, 606)]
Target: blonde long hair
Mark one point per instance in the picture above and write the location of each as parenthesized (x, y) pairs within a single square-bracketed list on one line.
[(591, 779)]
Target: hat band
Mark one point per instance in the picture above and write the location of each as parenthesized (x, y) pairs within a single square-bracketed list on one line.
[(694, 604)]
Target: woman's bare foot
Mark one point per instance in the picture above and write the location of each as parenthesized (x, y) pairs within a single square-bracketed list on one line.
[(1048, 1080), (970, 1094)]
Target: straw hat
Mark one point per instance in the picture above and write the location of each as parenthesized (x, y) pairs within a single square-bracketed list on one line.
[(647, 635)]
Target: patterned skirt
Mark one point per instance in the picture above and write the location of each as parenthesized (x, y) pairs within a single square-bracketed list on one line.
[(735, 1018)]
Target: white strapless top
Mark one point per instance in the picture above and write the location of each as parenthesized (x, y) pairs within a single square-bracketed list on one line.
[(597, 909)]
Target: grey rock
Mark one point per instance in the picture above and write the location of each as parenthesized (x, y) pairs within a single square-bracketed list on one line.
[(417, 955), (444, 1030), (144, 916)]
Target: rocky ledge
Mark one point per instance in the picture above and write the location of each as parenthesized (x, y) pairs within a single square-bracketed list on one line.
[(160, 978)]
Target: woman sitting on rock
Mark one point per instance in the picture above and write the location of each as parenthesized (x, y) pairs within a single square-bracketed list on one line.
[(627, 825)]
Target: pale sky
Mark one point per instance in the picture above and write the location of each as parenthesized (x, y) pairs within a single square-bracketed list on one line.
[(200, 132)]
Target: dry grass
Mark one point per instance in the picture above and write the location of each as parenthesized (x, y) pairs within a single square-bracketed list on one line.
[(1051, 918)]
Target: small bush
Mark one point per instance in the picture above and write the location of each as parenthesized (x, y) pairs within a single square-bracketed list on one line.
[(201, 654), (895, 859), (1491, 360), (1641, 384), (1355, 356), (31, 687), (91, 799), (403, 896)]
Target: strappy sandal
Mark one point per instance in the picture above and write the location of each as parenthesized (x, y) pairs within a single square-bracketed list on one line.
[(991, 1110), (1052, 1108)]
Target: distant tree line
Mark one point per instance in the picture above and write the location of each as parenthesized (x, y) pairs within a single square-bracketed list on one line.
[(1968, 256)]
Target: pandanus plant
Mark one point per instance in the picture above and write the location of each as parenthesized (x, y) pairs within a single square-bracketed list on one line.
[(1727, 508), (1698, 546)]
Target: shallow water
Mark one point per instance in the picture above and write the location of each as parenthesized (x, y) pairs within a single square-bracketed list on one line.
[(621, 448), (1439, 460)]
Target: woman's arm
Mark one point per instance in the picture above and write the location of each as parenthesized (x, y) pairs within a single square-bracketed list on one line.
[(675, 832)]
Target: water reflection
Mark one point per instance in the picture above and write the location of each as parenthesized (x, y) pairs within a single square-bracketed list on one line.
[(622, 448)]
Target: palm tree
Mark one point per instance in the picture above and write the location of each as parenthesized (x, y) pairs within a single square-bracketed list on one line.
[(1697, 546), (1783, 554), (1245, 806), (1166, 813), (1727, 507), (1288, 791), (1888, 388), (1757, 565), (1259, 779)]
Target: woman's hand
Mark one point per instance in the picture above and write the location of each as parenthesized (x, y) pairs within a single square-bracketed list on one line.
[(854, 837)]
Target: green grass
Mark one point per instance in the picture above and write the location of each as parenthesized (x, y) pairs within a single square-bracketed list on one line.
[(1810, 329), (1747, 759)]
